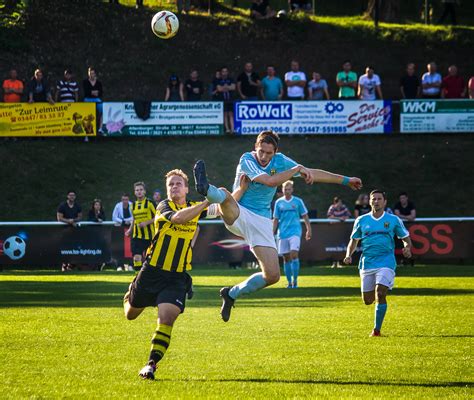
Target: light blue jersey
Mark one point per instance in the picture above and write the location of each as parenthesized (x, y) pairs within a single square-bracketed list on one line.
[(288, 213), (376, 235), (258, 197)]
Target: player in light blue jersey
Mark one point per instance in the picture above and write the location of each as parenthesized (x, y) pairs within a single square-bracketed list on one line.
[(377, 263), (250, 217), (286, 223)]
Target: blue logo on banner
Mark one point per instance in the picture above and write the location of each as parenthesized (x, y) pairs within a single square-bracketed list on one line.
[(331, 107), (258, 111)]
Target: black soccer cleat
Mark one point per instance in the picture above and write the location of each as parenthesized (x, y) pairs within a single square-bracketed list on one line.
[(227, 303), (200, 177)]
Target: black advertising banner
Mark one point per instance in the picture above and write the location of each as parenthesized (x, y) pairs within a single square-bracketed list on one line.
[(52, 244)]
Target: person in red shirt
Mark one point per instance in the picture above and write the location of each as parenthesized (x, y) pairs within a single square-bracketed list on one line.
[(12, 88), (453, 86)]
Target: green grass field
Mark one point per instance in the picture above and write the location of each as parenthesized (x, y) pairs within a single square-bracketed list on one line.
[(64, 336)]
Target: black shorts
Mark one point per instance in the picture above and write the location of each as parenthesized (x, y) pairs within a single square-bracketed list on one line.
[(139, 246), (153, 286)]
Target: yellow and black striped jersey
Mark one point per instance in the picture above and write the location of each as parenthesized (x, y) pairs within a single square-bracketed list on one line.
[(171, 248), (143, 210)]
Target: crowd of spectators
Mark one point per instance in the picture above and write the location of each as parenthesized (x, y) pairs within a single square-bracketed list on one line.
[(249, 85), (403, 208)]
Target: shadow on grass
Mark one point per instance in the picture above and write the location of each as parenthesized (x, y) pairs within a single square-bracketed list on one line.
[(109, 294), (322, 382)]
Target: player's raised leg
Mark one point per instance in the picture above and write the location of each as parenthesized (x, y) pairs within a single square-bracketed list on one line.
[(167, 315)]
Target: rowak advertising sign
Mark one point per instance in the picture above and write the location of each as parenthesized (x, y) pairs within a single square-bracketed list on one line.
[(313, 117)]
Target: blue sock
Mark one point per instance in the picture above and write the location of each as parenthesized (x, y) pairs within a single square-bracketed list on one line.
[(295, 266), (288, 271), (380, 310), (215, 195), (252, 284)]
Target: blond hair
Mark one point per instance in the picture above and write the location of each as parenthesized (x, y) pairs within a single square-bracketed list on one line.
[(178, 172), (287, 183), (140, 183)]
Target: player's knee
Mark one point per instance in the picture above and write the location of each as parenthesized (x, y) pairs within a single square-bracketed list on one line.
[(272, 277), (130, 314), (368, 302)]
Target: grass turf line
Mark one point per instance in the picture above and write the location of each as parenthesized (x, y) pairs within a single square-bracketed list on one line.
[(65, 336)]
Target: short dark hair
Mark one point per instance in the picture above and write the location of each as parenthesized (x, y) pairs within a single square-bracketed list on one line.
[(336, 199), (125, 195), (347, 61), (379, 191), (370, 67), (68, 71), (403, 194), (269, 137), (71, 191)]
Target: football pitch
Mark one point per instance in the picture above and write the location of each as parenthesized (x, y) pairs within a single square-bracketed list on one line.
[(65, 336)]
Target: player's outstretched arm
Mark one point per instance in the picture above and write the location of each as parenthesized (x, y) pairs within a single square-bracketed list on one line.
[(280, 178), (189, 213), (322, 176), (351, 247)]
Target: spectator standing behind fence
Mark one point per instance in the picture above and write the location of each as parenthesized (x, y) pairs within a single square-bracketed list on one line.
[(39, 89), (194, 87), (453, 86), (67, 90), (271, 86), (347, 82), (69, 212), (183, 6), (174, 90), (213, 86), (225, 93), (96, 212), (122, 214), (12, 88), (431, 82), (295, 81), (156, 197), (260, 9), (470, 87), (370, 85), (410, 85), (299, 5), (248, 83), (362, 205), (318, 88), (404, 208), (338, 210), (93, 92)]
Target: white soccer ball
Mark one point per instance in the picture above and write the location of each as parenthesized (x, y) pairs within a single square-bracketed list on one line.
[(14, 247), (165, 24)]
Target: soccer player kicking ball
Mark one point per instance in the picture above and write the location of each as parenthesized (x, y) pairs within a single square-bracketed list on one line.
[(250, 217), (377, 263), (286, 221)]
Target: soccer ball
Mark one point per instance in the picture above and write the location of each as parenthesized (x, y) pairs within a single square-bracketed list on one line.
[(165, 24), (14, 247)]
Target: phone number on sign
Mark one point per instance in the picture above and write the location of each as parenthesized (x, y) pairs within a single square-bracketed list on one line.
[(296, 129)]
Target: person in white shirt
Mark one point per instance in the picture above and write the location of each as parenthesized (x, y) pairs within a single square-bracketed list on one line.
[(370, 85), (295, 81), (431, 82), (122, 212)]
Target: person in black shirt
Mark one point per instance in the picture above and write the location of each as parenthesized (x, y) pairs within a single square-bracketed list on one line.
[(248, 83), (96, 212), (410, 85), (362, 205), (69, 212), (194, 87), (225, 93), (261, 10), (405, 209), (38, 89), (93, 92)]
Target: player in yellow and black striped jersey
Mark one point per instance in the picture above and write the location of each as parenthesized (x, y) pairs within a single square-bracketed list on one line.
[(163, 280), (141, 228)]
